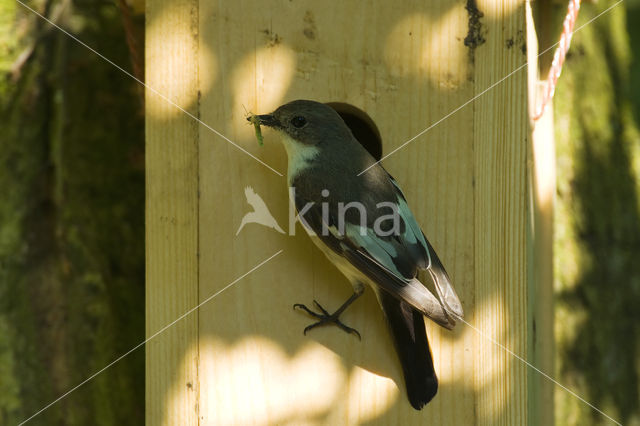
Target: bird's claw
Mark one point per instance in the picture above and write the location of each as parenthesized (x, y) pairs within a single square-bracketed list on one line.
[(325, 318)]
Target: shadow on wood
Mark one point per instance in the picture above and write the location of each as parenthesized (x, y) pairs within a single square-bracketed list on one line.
[(242, 358)]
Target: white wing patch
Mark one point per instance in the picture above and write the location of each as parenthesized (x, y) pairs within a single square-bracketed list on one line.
[(412, 232), (380, 250)]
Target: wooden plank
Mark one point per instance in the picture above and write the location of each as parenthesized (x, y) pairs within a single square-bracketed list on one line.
[(171, 212), (542, 189), (407, 66), (256, 366), (501, 214)]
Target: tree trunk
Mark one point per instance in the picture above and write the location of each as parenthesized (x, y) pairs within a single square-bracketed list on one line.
[(71, 218)]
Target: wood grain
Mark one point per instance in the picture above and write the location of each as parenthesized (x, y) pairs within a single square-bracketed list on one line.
[(501, 212), (171, 213), (407, 66), (542, 189)]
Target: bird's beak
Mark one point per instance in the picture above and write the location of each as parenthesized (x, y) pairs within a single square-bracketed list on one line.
[(266, 120)]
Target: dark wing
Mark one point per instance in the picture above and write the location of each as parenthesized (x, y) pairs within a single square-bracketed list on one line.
[(446, 292), (391, 261)]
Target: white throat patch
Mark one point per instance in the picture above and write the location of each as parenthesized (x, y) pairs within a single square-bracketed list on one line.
[(299, 155)]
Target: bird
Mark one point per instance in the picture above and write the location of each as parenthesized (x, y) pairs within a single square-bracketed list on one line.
[(260, 213), (363, 224)]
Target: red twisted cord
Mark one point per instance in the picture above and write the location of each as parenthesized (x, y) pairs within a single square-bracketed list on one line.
[(559, 56)]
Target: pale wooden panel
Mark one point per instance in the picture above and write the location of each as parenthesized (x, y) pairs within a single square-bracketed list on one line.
[(542, 189), (501, 136), (171, 212), (407, 66)]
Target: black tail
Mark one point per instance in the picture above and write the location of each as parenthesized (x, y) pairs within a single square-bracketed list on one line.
[(410, 339)]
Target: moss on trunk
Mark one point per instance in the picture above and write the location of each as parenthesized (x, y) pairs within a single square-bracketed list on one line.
[(71, 220)]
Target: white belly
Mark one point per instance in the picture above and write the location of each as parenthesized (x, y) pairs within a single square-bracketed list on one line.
[(355, 277)]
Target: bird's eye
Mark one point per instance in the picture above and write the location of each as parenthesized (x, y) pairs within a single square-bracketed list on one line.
[(298, 121)]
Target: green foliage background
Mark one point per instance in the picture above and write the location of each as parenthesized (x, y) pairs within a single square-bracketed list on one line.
[(597, 223), (71, 218)]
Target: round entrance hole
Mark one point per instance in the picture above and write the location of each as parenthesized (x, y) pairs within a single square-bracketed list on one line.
[(362, 126)]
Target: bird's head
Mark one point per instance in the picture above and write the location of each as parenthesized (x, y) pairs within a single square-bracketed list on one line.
[(307, 122)]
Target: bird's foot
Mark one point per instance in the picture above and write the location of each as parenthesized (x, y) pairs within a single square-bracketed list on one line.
[(326, 318)]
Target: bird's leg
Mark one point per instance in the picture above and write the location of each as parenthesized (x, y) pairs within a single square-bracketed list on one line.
[(326, 318)]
